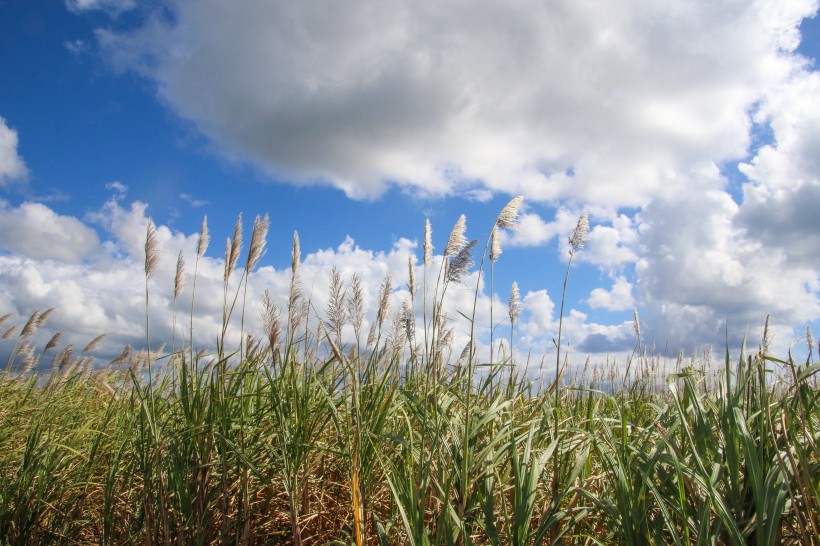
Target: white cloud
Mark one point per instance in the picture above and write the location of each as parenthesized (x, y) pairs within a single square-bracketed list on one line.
[(193, 201), (36, 231), (699, 268), (12, 166), (619, 298), (99, 287), (613, 104), (111, 6), (611, 247), (532, 231)]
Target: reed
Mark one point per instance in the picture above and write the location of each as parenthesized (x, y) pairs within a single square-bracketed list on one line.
[(306, 438)]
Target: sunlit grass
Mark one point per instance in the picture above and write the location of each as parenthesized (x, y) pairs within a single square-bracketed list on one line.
[(297, 437)]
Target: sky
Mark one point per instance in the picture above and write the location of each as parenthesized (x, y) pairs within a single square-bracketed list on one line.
[(689, 131)]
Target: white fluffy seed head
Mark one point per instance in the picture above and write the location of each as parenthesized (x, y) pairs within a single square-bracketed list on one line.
[(515, 306), (151, 250), (179, 278), (508, 219), (204, 238), (580, 235), (457, 237), (296, 254), (495, 245), (428, 242)]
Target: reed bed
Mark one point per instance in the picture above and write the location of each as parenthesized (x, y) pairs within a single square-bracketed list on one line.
[(298, 437)]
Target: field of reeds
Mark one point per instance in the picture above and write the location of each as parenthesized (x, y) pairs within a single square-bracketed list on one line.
[(302, 436)]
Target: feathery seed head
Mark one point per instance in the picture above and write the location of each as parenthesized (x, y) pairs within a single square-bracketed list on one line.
[(54, 341), (457, 238), (409, 318), (204, 238), (508, 219), (515, 306), (296, 254), (428, 242), (371, 335), (236, 244), (258, 241), (465, 353), (62, 358), (43, 316), (636, 323), (411, 274), (151, 250), (580, 235), (495, 245), (809, 339), (179, 278), (227, 272), (4, 319), (125, 355), (94, 344), (460, 264), (385, 290), (10, 332), (355, 303), (271, 320), (31, 325)]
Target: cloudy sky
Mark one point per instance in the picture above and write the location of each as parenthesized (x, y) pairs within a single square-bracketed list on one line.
[(689, 130)]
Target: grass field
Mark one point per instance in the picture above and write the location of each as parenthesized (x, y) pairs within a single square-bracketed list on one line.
[(298, 437)]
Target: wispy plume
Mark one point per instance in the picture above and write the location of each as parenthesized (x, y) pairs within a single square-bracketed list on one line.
[(385, 290), (457, 238), (495, 245), (411, 277), (271, 321), (428, 242), (54, 342), (235, 248), (514, 305), (258, 241), (296, 254), (31, 325), (336, 310), (179, 277), (461, 263), (94, 344), (151, 250), (204, 238), (355, 304), (508, 218), (580, 235)]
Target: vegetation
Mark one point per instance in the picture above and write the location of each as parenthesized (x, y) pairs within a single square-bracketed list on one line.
[(301, 436)]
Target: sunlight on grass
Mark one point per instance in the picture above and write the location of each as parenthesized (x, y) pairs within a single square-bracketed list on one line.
[(297, 437)]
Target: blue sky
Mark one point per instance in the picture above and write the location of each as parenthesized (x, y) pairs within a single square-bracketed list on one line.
[(689, 133)]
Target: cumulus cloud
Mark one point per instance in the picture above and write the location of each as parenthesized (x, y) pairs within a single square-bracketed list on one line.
[(699, 268), (40, 233), (97, 284), (12, 166), (613, 105), (619, 298)]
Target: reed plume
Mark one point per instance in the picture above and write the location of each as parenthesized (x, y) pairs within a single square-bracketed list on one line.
[(355, 306), (54, 342), (457, 238), (201, 248), (94, 344)]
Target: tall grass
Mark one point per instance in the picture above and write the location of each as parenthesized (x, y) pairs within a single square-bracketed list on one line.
[(302, 438)]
